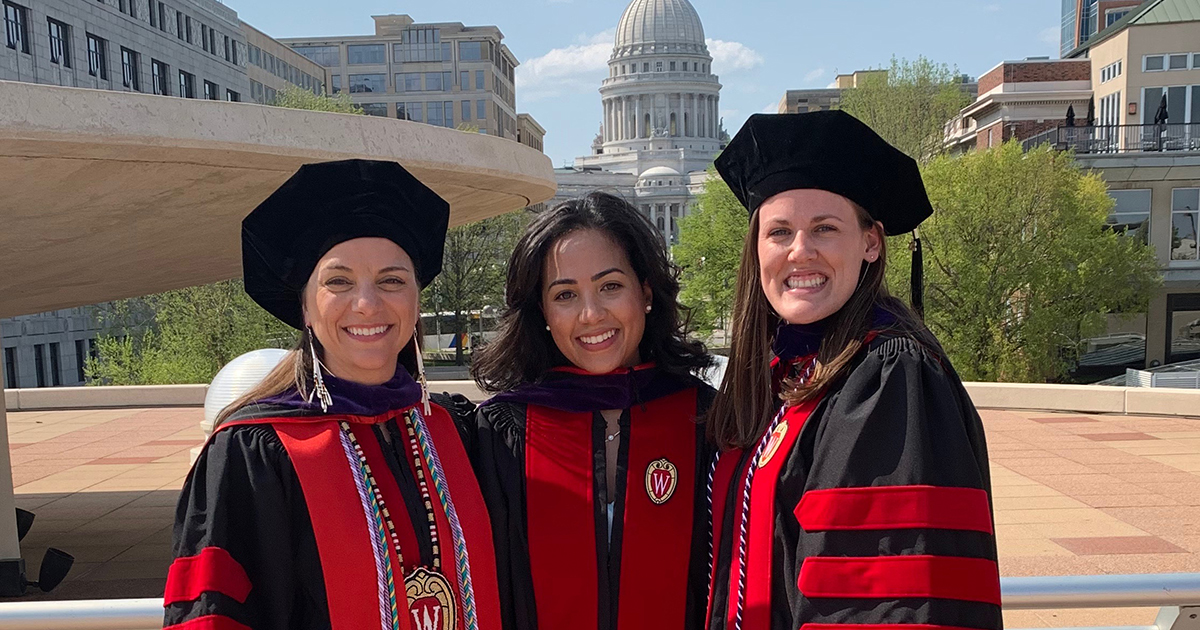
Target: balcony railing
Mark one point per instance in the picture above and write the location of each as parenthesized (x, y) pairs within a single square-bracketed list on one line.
[(1105, 139)]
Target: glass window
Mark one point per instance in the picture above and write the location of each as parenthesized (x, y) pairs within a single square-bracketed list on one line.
[(672, 66), (55, 367), (465, 113), (1178, 62), (359, 54), (39, 363), (646, 67), (368, 83), (1195, 113), (1183, 326), (130, 76), (233, 97), (1185, 214), (158, 75), (204, 36), (162, 17), (1154, 62), (447, 81), (187, 84), (97, 60), (60, 43), (80, 360), (327, 56), (433, 81), (227, 55), (658, 66), (481, 111), (435, 114), (448, 112), (10, 368), (470, 51), (1131, 214), (211, 93), (16, 34), (408, 82), (464, 80), (375, 109), (335, 83), (414, 112), (269, 95), (153, 16), (1151, 99), (179, 25), (187, 28)]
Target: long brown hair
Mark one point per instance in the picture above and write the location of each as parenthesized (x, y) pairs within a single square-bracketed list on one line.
[(746, 401), (295, 371)]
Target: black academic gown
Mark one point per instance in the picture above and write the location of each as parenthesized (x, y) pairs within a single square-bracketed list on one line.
[(270, 533), (539, 454), (870, 506)]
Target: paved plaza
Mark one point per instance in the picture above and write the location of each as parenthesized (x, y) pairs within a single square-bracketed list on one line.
[(1075, 494)]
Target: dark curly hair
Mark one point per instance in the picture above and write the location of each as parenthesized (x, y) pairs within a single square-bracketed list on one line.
[(522, 351)]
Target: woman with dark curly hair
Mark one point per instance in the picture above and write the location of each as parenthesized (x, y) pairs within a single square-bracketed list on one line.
[(591, 459)]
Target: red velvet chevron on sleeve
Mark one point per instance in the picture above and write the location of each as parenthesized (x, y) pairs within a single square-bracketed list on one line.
[(211, 570)]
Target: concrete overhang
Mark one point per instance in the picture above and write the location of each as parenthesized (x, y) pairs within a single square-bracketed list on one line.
[(107, 195)]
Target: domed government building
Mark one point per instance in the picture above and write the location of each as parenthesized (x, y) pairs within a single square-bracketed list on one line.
[(661, 127)]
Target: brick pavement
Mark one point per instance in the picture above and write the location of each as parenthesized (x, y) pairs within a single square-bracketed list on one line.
[(1074, 494)]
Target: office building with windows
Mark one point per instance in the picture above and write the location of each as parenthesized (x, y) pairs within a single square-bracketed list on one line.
[(191, 48), (1082, 19), (443, 74), (272, 66), (1140, 78)]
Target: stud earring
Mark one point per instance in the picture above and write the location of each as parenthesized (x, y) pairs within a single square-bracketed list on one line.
[(547, 327), (649, 307), (319, 390)]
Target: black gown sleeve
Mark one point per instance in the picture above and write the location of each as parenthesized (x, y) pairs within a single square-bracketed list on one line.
[(896, 466), (498, 455), (243, 542)]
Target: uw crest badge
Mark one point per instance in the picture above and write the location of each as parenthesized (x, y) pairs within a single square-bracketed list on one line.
[(430, 601), (661, 477), (773, 443)]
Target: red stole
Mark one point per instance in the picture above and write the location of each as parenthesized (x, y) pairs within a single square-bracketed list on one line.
[(657, 523), (344, 541)]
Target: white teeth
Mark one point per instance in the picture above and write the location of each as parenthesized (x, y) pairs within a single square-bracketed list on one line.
[(795, 282), (598, 338), (367, 332)]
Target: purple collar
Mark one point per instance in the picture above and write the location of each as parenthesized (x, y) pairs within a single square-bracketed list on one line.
[(575, 391), (356, 399)]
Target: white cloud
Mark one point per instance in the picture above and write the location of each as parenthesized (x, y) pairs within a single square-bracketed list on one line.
[(813, 75), (729, 56), (770, 108), (1049, 35), (580, 66)]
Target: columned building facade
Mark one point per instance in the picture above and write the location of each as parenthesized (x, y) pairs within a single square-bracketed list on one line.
[(661, 121)]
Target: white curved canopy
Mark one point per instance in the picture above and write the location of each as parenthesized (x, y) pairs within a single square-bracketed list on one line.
[(106, 195)]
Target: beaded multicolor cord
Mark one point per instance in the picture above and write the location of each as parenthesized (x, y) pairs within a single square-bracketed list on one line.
[(743, 535), (424, 488), (462, 561), (368, 493)]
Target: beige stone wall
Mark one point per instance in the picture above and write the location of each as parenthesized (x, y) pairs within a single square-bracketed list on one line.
[(1154, 39)]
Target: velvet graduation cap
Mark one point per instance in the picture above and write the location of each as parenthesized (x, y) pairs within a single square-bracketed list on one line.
[(832, 151), (328, 203)]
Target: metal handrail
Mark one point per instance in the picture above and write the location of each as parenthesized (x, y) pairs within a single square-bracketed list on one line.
[(1024, 593), (1101, 591)]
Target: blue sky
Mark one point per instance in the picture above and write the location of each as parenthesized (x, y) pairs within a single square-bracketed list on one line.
[(761, 48)]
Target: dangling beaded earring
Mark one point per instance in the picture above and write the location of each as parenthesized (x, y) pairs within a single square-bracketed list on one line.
[(319, 390), (421, 375)]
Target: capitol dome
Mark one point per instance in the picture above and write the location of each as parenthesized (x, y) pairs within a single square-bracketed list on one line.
[(659, 22), (659, 171)]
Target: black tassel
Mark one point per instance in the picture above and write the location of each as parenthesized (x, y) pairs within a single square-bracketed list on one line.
[(918, 276)]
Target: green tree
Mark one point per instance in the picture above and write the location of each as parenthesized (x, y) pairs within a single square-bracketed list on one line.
[(909, 105), (709, 251), (474, 267), (1019, 264), (299, 98), (191, 333)]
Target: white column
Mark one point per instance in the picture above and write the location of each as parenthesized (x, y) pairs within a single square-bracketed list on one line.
[(607, 120), (637, 117), (712, 121)]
